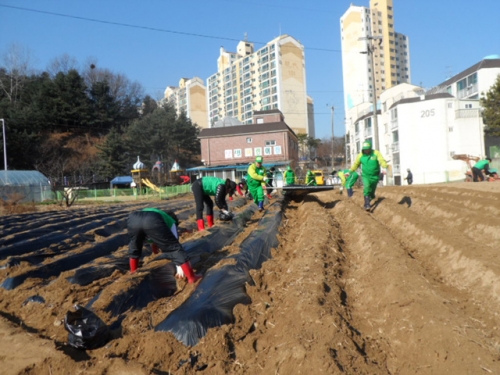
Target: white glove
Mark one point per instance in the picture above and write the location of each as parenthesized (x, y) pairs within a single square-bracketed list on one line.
[(180, 273), (265, 179)]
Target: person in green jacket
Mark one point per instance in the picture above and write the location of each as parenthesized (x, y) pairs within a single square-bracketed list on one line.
[(160, 228), (477, 169), (310, 178), (206, 186), (348, 179), (370, 161), (289, 176), (256, 175)]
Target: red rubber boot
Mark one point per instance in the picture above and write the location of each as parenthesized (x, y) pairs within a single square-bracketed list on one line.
[(134, 264), (210, 220), (189, 273), (154, 248), (201, 225)]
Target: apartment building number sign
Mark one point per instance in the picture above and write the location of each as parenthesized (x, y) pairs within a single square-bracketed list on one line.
[(248, 152), (268, 151)]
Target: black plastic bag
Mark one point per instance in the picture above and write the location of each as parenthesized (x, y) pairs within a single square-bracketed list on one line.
[(86, 329)]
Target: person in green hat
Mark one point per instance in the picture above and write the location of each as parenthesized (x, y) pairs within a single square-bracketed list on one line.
[(310, 178), (370, 161), (256, 175), (348, 179), (289, 176)]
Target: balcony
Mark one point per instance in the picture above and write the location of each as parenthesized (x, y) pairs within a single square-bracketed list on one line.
[(395, 147), (467, 113), (368, 132), (468, 91), (396, 169), (394, 124)]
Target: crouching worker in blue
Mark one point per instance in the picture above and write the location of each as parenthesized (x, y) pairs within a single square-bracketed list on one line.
[(155, 225)]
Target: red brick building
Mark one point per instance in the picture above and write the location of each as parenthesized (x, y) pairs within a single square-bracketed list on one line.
[(226, 152)]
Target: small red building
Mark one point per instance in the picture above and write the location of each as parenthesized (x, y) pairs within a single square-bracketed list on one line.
[(227, 151)]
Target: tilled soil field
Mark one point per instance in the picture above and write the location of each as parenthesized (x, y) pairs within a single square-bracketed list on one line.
[(411, 287)]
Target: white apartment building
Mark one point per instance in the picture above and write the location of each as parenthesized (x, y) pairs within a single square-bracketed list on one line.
[(191, 97), (273, 77), (374, 56), (422, 131)]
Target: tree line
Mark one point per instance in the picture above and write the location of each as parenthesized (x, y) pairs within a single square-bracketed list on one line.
[(87, 124)]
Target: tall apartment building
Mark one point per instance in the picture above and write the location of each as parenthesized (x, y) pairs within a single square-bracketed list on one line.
[(190, 97), (368, 33), (273, 77)]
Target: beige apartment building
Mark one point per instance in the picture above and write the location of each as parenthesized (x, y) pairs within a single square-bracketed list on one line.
[(273, 77), (190, 97), (369, 42)]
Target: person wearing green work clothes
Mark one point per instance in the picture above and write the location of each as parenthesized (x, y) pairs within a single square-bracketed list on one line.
[(256, 176), (310, 178), (289, 176), (477, 169), (161, 229), (370, 161), (348, 179), (208, 186)]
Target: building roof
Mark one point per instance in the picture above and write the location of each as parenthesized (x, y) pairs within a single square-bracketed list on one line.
[(442, 95), (269, 127), (369, 114), (121, 180), (238, 167), (483, 64), (23, 178), (266, 112)]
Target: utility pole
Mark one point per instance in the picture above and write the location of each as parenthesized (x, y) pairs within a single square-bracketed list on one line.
[(333, 141), (370, 48), (4, 144)]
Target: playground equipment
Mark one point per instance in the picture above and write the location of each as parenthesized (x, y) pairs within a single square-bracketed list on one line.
[(150, 185), (175, 176), (470, 160)]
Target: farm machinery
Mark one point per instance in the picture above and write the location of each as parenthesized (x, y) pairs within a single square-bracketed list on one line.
[(470, 160)]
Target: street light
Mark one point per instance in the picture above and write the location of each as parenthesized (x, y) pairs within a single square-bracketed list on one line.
[(333, 138), (4, 144), (369, 51)]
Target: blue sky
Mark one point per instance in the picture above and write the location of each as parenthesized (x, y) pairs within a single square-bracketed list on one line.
[(172, 39)]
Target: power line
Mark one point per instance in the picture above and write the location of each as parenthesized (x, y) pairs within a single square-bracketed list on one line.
[(148, 28)]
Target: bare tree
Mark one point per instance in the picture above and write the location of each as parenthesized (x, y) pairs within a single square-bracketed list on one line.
[(17, 67), (64, 64)]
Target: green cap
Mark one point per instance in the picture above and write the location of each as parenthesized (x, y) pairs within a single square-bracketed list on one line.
[(367, 146), (259, 159)]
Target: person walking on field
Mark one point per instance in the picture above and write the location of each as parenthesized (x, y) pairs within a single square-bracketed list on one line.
[(160, 228), (348, 179), (370, 161), (203, 188), (269, 182), (289, 176), (409, 177), (477, 169), (255, 177)]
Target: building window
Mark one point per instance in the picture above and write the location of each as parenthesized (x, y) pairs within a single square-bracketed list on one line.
[(249, 140), (270, 143)]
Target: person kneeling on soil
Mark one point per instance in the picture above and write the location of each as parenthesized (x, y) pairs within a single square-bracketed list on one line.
[(161, 229), (348, 179), (477, 169)]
